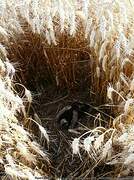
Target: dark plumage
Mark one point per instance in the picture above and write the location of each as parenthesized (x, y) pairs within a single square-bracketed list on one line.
[(70, 115)]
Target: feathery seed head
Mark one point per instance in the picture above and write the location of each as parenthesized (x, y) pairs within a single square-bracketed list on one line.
[(75, 146)]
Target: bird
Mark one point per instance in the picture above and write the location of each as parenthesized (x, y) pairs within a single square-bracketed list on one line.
[(69, 116)]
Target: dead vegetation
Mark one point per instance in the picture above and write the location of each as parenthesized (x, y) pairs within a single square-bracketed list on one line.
[(64, 51)]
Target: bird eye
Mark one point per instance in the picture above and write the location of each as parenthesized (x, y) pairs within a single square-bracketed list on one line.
[(64, 124)]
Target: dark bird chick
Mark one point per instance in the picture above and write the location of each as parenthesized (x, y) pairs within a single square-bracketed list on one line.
[(69, 116)]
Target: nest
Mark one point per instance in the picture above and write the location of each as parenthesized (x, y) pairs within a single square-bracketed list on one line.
[(54, 53)]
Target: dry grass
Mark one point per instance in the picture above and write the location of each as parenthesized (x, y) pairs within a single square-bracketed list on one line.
[(67, 44), (20, 156)]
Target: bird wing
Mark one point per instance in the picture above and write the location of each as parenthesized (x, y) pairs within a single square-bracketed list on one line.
[(74, 119), (66, 108)]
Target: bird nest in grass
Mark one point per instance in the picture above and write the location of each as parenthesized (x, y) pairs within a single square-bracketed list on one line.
[(54, 54)]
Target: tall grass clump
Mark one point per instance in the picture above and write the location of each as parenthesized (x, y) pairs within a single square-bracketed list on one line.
[(21, 157), (69, 44)]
